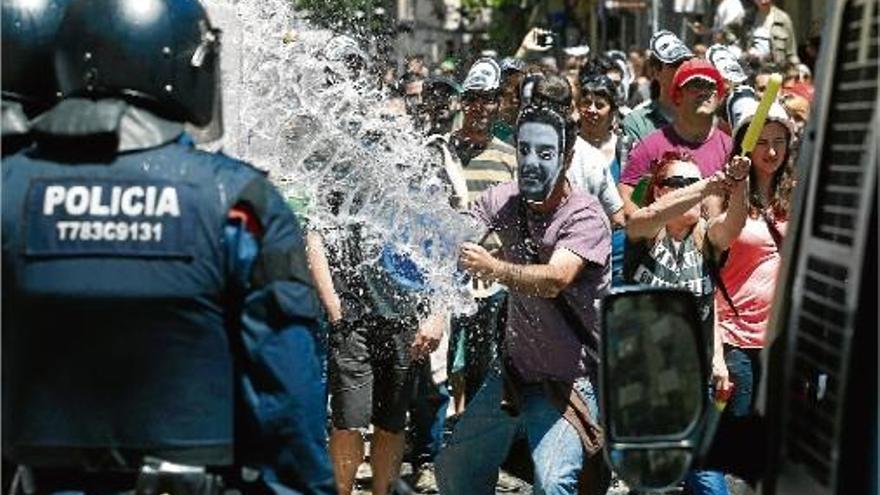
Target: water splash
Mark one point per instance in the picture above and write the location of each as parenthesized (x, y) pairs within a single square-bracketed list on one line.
[(299, 111)]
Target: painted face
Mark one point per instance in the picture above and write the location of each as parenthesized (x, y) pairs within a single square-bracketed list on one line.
[(770, 149), (540, 160)]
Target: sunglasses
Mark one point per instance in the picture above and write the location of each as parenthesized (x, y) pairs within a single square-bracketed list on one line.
[(474, 97), (699, 85), (677, 181)]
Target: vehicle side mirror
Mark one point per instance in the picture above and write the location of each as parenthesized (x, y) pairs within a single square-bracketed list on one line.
[(654, 385)]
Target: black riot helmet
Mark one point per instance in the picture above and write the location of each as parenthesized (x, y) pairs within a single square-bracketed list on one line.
[(29, 30), (160, 54)]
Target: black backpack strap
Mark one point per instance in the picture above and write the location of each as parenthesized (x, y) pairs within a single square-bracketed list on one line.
[(714, 262)]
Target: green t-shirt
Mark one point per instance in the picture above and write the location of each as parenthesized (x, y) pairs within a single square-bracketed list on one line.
[(643, 120)]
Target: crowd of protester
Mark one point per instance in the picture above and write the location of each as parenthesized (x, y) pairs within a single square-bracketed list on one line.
[(653, 137)]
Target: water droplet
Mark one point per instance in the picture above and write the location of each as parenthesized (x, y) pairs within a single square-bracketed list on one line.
[(325, 132)]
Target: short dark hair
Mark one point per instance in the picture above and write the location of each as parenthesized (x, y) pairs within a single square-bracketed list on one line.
[(553, 91), (601, 85), (595, 66)]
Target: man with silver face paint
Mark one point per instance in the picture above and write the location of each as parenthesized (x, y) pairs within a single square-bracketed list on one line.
[(540, 160), (555, 261)]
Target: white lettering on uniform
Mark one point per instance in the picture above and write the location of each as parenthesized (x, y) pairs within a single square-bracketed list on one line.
[(52, 197), (77, 200), (129, 206), (133, 201), (150, 202), (62, 230), (115, 193), (168, 204), (74, 230), (95, 206)]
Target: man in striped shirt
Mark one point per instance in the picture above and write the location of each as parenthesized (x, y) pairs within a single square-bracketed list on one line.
[(473, 161)]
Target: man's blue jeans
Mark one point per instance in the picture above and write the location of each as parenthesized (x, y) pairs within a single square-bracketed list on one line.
[(735, 442), (705, 482), (741, 439), (483, 436), (428, 416)]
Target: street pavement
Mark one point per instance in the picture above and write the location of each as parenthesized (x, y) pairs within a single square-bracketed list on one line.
[(735, 485)]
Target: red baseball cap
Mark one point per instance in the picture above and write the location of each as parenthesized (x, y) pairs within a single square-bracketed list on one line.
[(696, 68)]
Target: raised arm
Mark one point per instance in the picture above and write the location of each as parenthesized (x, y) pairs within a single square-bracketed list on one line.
[(726, 226), (646, 222), (530, 43)]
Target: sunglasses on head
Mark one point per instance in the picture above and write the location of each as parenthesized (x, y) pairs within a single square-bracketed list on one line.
[(481, 97), (677, 181)]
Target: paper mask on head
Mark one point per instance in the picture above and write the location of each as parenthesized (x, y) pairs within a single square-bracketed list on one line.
[(484, 76), (540, 159)]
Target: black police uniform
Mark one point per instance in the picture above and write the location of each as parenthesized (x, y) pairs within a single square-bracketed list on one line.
[(156, 298)]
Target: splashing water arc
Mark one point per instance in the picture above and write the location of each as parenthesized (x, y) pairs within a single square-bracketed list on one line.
[(293, 110)]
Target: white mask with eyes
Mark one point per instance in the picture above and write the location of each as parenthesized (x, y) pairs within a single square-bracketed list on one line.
[(540, 160)]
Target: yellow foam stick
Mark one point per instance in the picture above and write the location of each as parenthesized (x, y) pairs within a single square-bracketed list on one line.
[(757, 123)]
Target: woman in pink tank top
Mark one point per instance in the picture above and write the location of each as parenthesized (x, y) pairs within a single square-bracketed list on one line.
[(744, 297)]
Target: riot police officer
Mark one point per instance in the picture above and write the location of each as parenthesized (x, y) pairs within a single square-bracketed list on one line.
[(157, 304), (28, 31)]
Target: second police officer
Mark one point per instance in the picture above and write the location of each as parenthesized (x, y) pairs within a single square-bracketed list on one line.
[(157, 303), (28, 39)]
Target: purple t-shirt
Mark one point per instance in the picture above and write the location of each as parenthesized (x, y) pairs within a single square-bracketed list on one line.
[(540, 340), (710, 155)]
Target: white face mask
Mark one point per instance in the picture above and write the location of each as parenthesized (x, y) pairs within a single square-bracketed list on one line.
[(540, 160)]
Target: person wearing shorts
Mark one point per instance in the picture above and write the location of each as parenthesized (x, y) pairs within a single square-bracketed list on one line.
[(379, 330), (370, 373)]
